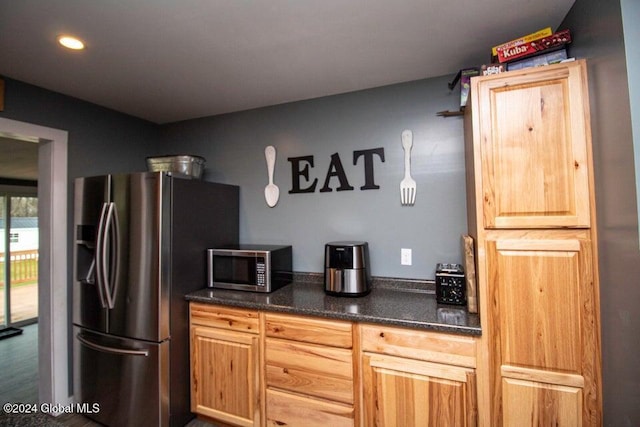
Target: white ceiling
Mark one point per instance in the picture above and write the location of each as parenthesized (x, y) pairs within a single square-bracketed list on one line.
[(171, 60)]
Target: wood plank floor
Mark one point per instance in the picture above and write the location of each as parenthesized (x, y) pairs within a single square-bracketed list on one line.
[(24, 302), (19, 367), (19, 383)]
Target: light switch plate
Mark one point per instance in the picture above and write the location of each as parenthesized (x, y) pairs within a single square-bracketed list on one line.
[(405, 256)]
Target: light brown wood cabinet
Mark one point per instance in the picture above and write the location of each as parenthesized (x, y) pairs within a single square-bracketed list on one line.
[(531, 212), (412, 378), (309, 372), (251, 368), (225, 374), (532, 131)]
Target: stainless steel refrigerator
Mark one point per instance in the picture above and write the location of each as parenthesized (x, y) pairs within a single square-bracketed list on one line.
[(139, 247)]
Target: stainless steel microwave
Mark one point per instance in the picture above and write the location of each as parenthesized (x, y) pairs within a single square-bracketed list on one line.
[(257, 268)]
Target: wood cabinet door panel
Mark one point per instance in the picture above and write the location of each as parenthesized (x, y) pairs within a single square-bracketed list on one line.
[(539, 285), (534, 150), (291, 410), (314, 370), (224, 375), (545, 324), (541, 404), (398, 392)]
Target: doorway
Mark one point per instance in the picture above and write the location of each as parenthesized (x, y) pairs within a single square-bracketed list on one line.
[(53, 343), (19, 253)]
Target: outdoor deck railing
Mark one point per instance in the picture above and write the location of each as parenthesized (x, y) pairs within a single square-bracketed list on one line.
[(24, 266)]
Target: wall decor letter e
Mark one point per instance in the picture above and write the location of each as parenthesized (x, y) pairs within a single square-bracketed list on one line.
[(296, 173)]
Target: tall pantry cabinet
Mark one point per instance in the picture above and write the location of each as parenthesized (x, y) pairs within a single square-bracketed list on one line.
[(532, 213)]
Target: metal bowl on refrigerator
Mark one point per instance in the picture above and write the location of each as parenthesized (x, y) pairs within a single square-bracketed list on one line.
[(188, 165)]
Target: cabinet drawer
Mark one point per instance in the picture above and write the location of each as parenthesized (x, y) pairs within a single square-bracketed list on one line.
[(284, 409), (421, 345), (224, 317), (325, 372), (317, 331)]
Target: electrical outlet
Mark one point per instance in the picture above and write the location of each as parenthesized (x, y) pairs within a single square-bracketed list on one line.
[(405, 256)]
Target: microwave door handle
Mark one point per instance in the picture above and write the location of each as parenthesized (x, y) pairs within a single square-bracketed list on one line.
[(234, 253), (99, 257)]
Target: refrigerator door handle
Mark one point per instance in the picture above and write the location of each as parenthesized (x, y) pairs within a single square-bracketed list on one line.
[(111, 244), (112, 350), (100, 255)]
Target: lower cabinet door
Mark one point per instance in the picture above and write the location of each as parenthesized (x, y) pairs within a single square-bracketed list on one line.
[(540, 404), (225, 375), (544, 323), (292, 410), (408, 393)]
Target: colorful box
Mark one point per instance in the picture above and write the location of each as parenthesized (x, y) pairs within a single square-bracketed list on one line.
[(465, 84), (512, 53), (545, 32), (489, 69), (538, 60)]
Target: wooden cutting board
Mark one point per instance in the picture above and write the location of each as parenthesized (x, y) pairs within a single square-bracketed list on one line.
[(470, 273)]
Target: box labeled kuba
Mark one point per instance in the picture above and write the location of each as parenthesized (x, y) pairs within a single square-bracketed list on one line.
[(512, 53), (545, 32)]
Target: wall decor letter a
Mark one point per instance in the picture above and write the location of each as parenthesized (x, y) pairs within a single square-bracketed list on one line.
[(336, 169)]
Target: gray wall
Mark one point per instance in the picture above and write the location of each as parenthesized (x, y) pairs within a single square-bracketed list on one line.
[(233, 145), (100, 140), (597, 27), (630, 18)]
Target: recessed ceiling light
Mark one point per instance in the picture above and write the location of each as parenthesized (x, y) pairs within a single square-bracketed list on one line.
[(71, 42)]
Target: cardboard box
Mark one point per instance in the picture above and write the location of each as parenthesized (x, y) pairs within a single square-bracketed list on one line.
[(465, 83), (489, 69), (538, 60), (524, 50), (545, 32)]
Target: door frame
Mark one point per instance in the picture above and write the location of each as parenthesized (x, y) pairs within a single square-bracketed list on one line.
[(53, 318)]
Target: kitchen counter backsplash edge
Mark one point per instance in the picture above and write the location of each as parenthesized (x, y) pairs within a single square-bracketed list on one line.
[(376, 281), (392, 301)]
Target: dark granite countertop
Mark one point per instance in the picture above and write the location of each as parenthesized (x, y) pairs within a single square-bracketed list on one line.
[(391, 302)]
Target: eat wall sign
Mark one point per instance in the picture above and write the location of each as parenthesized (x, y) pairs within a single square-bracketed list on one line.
[(303, 181)]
